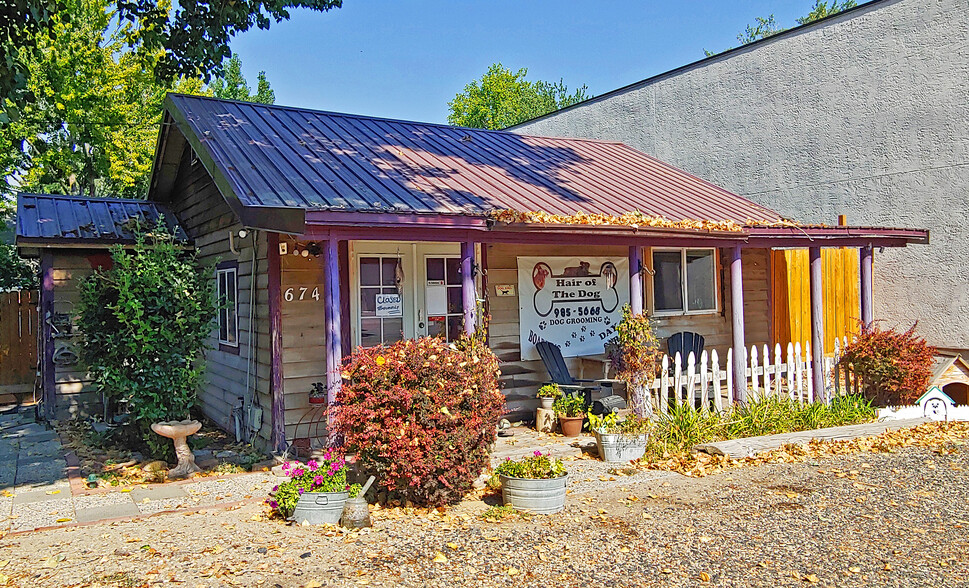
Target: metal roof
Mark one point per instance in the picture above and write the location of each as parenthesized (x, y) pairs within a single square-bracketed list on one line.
[(274, 157), (58, 219)]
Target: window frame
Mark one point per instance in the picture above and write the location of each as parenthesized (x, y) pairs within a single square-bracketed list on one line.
[(226, 268), (447, 315), (359, 288), (684, 285)]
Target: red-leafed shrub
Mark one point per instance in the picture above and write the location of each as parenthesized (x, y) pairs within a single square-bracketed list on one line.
[(420, 414), (894, 366)]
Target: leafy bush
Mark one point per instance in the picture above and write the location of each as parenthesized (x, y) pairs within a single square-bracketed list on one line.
[(611, 424), (636, 353), (420, 414), (538, 466), (569, 406), (145, 322), (549, 391), (894, 367), (330, 475)]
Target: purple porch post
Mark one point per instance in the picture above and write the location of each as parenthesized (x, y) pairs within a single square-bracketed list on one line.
[(47, 349), (334, 315), (737, 307), (817, 322), (867, 307), (468, 294), (636, 279), (278, 410)]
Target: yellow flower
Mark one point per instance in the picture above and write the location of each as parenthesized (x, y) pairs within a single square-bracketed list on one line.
[(380, 360)]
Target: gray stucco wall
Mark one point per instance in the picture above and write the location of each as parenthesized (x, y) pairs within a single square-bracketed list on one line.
[(865, 114)]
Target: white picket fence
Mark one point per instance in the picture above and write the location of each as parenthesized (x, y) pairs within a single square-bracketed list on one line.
[(789, 375)]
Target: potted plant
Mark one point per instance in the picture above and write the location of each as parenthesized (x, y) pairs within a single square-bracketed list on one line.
[(547, 395), (318, 393), (620, 440), (534, 483), (315, 491), (635, 353), (571, 412)]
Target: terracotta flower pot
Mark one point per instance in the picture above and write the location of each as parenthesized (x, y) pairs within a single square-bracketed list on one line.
[(571, 426)]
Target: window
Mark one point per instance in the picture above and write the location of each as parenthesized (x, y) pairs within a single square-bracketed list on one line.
[(444, 298), (378, 278), (684, 280), (228, 298)]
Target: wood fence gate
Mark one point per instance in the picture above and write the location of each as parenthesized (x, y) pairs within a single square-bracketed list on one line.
[(18, 341)]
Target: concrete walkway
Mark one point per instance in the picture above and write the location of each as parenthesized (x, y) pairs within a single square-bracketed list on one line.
[(35, 490)]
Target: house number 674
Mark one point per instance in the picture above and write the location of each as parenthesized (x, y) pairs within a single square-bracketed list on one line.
[(299, 293)]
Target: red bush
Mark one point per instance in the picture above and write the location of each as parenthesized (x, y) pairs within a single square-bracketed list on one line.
[(894, 367), (420, 414)]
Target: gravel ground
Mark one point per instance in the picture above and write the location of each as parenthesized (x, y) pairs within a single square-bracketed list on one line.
[(886, 519)]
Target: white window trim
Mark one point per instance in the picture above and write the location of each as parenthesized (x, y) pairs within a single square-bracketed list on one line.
[(426, 316), (235, 311), (685, 312)]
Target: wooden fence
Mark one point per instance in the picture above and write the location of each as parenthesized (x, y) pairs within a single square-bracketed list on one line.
[(18, 340), (767, 374)]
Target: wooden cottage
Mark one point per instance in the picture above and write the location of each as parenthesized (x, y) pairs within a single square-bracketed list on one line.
[(330, 231)]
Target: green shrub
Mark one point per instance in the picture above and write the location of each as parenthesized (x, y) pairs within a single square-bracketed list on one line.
[(420, 414), (145, 321), (894, 367), (538, 466), (569, 405)]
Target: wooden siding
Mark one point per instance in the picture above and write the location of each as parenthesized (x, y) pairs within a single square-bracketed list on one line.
[(520, 379), (203, 213), (74, 392), (791, 295)]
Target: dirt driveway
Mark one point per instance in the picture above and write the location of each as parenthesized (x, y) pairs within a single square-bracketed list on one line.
[(892, 519)]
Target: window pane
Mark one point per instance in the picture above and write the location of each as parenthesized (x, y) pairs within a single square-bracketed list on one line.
[(453, 270), (393, 330), (454, 326), (435, 269), (701, 280), (436, 326), (369, 271), (369, 332), (668, 281), (389, 265), (368, 301), (455, 302), (223, 332)]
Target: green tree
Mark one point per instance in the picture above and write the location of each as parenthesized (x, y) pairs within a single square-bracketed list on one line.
[(186, 40), (502, 98), (15, 273), (232, 85), (766, 27)]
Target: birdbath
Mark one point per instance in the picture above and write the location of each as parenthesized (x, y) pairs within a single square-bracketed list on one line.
[(177, 431)]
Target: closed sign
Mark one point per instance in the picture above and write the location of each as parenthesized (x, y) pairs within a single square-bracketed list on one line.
[(389, 305)]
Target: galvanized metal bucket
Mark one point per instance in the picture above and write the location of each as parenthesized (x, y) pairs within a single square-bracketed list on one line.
[(318, 508), (614, 447), (544, 496)]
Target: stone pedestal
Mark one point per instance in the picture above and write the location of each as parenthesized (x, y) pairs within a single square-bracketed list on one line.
[(545, 420), (177, 431)]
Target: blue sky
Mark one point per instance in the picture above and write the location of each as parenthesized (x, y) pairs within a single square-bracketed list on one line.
[(406, 59)]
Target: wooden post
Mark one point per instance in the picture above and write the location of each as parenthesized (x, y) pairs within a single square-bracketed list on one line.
[(817, 321), (47, 336), (636, 279), (334, 315), (278, 434), (468, 294), (867, 307), (737, 306)]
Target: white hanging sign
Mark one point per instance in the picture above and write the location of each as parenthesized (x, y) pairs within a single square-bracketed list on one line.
[(389, 305), (573, 302)]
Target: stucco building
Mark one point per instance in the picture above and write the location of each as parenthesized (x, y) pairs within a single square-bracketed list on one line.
[(865, 114)]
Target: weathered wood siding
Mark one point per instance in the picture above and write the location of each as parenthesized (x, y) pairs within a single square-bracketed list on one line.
[(203, 213), (18, 341), (521, 379)]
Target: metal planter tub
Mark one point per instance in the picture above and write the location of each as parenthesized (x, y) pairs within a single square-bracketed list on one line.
[(620, 447), (319, 508), (539, 496)]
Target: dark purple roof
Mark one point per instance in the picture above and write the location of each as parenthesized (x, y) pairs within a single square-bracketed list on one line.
[(275, 157), (53, 219)]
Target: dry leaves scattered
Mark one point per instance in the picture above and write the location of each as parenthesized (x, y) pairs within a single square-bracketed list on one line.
[(941, 437), (634, 220)]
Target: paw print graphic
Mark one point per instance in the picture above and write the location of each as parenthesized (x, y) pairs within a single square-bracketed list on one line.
[(592, 333), (568, 343), (582, 338), (583, 329), (542, 325), (574, 334)]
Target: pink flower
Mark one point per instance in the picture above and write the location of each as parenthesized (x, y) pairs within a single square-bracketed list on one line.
[(318, 480), (298, 472), (538, 453), (313, 465)]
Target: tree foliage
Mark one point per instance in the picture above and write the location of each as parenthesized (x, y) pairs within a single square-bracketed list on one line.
[(145, 321), (232, 85), (766, 27), (502, 98), (188, 39), (93, 124), (894, 366)]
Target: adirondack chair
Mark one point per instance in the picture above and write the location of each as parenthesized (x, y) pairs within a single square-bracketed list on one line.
[(685, 343), (558, 371)]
